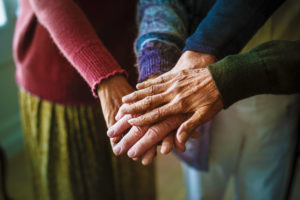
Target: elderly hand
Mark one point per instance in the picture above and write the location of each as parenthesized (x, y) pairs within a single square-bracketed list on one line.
[(142, 141), (135, 133), (110, 94), (189, 91)]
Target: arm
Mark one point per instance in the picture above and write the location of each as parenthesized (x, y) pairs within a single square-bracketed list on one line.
[(270, 68), (273, 68), (76, 39), (162, 32), (161, 37), (229, 25)]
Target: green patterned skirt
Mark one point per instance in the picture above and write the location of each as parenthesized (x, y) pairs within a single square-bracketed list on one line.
[(70, 155)]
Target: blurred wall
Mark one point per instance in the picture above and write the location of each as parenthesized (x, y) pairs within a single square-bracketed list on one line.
[(10, 131)]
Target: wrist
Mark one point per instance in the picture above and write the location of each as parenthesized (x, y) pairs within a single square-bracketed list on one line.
[(107, 84), (201, 59)]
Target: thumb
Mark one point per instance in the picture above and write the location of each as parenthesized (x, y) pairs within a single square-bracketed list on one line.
[(195, 134), (187, 128)]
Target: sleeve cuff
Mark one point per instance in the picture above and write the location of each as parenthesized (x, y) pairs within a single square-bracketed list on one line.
[(156, 58), (95, 64), (238, 77)]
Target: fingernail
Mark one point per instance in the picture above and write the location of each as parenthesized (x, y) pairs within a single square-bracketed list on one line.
[(163, 150), (183, 137), (135, 159), (145, 162), (117, 150), (117, 117), (110, 132), (131, 153), (132, 121), (138, 85), (124, 98)]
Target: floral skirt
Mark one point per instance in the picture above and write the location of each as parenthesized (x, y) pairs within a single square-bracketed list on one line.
[(70, 155)]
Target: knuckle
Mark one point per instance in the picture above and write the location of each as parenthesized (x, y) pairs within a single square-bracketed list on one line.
[(166, 95), (168, 124), (177, 103), (162, 79), (185, 72), (157, 113), (136, 129), (160, 96), (179, 77), (125, 143), (152, 89), (181, 104), (153, 133), (134, 95), (147, 102), (142, 118)]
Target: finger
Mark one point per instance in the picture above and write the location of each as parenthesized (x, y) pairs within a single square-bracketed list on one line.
[(143, 105), (149, 156), (195, 134), (154, 115), (141, 94), (179, 146), (112, 143), (189, 126), (167, 144), (120, 127), (115, 140), (154, 135), (160, 79), (134, 134), (135, 159), (119, 115)]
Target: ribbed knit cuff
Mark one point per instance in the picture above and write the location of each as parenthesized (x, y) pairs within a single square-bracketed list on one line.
[(95, 64), (157, 57)]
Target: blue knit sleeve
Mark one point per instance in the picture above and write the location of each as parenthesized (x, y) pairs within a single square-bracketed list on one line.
[(162, 34), (229, 25)]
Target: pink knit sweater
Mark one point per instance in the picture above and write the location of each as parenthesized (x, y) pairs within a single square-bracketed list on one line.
[(64, 49)]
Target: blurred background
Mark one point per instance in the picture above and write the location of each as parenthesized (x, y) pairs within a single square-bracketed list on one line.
[(170, 183)]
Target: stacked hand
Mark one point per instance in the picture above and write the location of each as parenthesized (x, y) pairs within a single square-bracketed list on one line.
[(110, 93), (175, 102)]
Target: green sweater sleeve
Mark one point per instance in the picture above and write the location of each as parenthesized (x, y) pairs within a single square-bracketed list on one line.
[(270, 68)]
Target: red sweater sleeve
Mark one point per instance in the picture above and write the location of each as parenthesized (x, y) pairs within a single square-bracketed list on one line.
[(76, 39)]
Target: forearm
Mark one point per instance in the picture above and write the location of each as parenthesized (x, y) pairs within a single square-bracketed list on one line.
[(76, 39), (271, 68), (229, 25), (161, 36)]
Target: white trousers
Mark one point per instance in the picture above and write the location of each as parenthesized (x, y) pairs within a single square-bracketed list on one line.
[(253, 140)]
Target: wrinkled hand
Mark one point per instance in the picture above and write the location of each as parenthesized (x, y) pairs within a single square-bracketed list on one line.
[(147, 153), (142, 141), (189, 91), (110, 93)]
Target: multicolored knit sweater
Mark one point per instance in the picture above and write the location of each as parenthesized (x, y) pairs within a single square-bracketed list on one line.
[(220, 28)]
